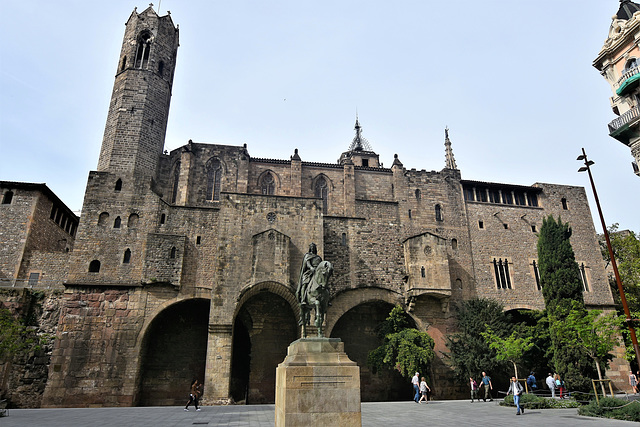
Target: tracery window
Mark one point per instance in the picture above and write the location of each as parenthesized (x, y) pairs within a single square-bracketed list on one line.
[(268, 184), (143, 49), (501, 271), (322, 192), (214, 178)]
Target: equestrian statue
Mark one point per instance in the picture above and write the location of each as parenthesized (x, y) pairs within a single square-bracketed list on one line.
[(313, 289)]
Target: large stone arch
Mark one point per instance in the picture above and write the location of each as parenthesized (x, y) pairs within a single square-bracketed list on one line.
[(265, 322), (173, 349), (357, 315)]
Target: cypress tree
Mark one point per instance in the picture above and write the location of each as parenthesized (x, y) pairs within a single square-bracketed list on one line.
[(562, 289)]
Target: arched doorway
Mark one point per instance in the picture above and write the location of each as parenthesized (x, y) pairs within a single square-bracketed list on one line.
[(357, 328), (174, 352), (262, 331)]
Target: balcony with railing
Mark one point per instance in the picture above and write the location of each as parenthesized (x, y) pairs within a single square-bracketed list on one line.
[(629, 80), (621, 124)]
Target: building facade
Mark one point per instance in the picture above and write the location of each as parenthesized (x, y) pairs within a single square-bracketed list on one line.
[(619, 62), (185, 263)]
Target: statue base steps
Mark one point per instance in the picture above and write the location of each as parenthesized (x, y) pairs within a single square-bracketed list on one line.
[(317, 384)]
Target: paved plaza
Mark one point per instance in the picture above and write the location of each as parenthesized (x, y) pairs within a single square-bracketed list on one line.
[(449, 413)]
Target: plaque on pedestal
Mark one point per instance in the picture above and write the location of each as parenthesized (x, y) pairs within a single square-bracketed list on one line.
[(317, 385)]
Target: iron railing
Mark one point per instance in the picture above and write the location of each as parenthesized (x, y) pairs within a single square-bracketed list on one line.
[(624, 119)]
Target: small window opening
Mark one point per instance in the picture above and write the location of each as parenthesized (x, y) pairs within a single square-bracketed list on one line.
[(102, 219), (173, 252), (117, 222), (160, 68), (198, 240), (94, 266), (33, 279), (118, 185), (533, 228), (127, 256), (438, 213), (133, 220), (344, 239), (418, 194), (409, 213), (564, 204), (365, 163), (454, 244), (480, 224), (163, 218), (7, 198), (423, 272), (506, 226), (124, 63)]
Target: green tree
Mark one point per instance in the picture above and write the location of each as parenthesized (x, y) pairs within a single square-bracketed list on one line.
[(595, 333), (562, 291), (511, 349), (405, 349), (469, 354), (626, 250)]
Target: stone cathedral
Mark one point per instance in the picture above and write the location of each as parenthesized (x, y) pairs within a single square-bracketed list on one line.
[(185, 263)]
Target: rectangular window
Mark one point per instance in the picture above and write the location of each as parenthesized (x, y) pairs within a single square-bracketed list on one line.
[(533, 200), (33, 279), (583, 277), (468, 194), (507, 197), (536, 274), (520, 200), (501, 271), (494, 196), (481, 194)]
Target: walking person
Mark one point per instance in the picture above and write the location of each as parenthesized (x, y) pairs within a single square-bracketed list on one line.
[(516, 389), (194, 395), (423, 391), (551, 383), (415, 381), (486, 383), (474, 388), (560, 385), (633, 382)]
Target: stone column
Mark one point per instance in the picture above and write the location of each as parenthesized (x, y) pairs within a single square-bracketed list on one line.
[(218, 366)]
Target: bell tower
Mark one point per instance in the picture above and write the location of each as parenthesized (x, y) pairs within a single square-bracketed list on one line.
[(137, 120)]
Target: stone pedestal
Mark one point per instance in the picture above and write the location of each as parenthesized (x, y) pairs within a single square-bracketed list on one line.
[(317, 385)]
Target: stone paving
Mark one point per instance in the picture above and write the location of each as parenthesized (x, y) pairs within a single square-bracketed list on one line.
[(448, 413)]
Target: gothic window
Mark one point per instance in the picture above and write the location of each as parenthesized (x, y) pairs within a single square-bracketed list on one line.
[(7, 198), (583, 277), (118, 185), (133, 220), (214, 178), (564, 204), (536, 274), (176, 182), (268, 184), (142, 51), (501, 271), (438, 213), (322, 192), (94, 266), (127, 256), (117, 222), (418, 194)]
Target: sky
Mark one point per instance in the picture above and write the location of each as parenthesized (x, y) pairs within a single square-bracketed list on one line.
[(512, 80)]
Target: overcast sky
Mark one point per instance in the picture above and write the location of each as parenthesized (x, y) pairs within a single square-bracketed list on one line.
[(512, 80)]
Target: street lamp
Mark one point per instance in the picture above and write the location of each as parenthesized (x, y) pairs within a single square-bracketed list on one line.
[(634, 340)]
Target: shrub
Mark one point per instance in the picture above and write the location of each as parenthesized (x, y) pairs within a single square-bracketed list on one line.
[(611, 407), (531, 401)]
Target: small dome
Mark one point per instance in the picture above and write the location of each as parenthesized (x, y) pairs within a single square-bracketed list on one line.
[(627, 9)]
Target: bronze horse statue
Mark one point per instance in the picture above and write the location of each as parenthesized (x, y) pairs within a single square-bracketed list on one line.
[(316, 297)]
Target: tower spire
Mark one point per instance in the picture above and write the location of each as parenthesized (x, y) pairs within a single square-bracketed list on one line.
[(450, 161)]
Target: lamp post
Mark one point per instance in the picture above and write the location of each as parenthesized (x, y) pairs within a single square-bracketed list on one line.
[(634, 340)]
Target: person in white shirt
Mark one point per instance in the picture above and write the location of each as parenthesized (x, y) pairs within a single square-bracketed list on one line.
[(423, 391), (516, 389), (415, 381), (552, 385)]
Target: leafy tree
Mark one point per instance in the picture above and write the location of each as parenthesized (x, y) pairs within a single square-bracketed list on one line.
[(595, 333), (626, 250), (509, 349), (469, 353), (562, 291), (405, 349)]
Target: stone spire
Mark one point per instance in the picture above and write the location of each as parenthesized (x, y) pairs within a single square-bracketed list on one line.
[(450, 160)]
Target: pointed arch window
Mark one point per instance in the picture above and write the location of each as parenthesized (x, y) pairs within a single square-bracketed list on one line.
[(214, 179), (176, 182), (127, 256), (172, 255), (268, 184), (322, 192), (142, 51), (118, 186), (117, 222)]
